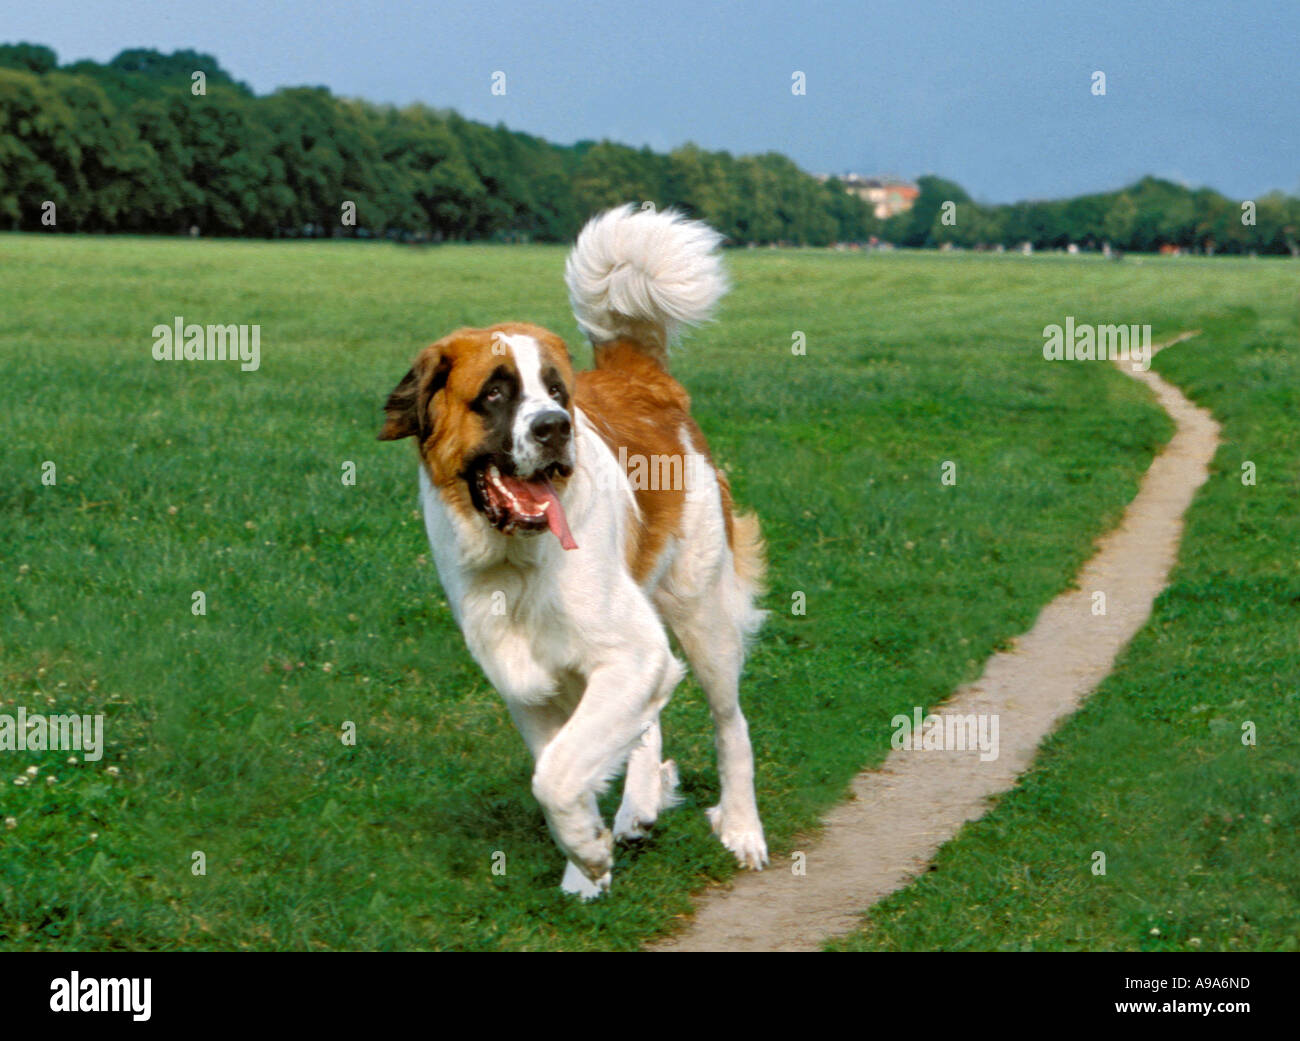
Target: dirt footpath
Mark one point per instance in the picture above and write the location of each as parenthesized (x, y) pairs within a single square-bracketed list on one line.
[(898, 816)]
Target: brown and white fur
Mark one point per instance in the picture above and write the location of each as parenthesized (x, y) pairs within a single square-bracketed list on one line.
[(519, 459)]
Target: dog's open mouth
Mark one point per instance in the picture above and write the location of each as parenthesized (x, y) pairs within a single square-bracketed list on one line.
[(513, 503)]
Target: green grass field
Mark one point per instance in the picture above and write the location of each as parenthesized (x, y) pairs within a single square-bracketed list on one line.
[(1201, 832), (223, 731)]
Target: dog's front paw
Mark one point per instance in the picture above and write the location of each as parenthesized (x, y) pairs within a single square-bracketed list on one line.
[(593, 856), (577, 883), (745, 841)]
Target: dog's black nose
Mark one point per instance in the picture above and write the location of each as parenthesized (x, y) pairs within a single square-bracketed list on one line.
[(551, 428)]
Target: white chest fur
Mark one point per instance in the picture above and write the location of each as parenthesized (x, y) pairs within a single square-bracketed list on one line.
[(529, 609)]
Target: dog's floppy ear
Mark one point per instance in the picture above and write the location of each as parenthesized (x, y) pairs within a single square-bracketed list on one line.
[(407, 409)]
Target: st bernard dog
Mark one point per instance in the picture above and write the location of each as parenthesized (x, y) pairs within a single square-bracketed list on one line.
[(576, 518)]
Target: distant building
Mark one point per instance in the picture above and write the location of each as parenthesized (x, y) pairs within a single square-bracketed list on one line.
[(884, 195)]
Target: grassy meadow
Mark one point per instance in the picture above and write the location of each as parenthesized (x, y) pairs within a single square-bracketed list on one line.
[(223, 730), (1201, 832)]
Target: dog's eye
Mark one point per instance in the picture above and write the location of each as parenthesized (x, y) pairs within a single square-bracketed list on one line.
[(494, 394), (556, 390)]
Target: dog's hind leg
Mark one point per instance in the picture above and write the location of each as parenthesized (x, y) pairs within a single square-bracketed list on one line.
[(712, 631)]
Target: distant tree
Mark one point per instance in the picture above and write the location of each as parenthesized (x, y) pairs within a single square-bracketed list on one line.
[(915, 227), (175, 69), (140, 72), (1083, 219), (854, 219), (30, 57), (1120, 219), (435, 172), (72, 150), (1212, 230), (610, 174), (34, 148), (329, 155), (1277, 227)]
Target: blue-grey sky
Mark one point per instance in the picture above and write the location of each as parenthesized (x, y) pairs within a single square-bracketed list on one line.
[(995, 94)]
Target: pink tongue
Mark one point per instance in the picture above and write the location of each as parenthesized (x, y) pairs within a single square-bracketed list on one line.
[(541, 490), (555, 518)]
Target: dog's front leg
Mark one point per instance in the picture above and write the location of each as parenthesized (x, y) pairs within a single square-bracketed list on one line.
[(620, 698)]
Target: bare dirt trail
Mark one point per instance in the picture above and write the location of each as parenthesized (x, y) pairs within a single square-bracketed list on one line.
[(898, 816)]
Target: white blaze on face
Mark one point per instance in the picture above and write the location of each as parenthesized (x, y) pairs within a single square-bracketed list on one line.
[(534, 399)]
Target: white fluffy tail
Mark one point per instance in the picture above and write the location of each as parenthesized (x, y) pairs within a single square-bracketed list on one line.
[(643, 275)]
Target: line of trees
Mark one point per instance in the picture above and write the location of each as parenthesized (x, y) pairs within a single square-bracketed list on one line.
[(130, 146), (163, 143), (1144, 217)]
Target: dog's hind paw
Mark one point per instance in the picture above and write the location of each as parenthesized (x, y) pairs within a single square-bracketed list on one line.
[(669, 785), (577, 883), (633, 823), (746, 842), (631, 828)]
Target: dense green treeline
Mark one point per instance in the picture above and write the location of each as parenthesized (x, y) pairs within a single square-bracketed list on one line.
[(1144, 217), (136, 146), (130, 146)]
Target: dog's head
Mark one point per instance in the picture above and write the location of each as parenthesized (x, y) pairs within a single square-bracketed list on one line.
[(492, 413)]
